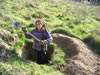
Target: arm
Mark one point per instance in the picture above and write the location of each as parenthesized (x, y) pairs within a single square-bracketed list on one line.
[(49, 38), (28, 35)]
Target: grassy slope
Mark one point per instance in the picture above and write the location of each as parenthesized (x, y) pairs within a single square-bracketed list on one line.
[(74, 19)]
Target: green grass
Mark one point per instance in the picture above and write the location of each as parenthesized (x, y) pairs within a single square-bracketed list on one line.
[(18, 66), (73, 19), (94, 40)]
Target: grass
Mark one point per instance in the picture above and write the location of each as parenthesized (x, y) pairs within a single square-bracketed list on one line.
[(18, 66), (94, 40), (73, 19)]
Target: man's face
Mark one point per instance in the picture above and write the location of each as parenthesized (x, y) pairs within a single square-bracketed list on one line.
[(38, 25)]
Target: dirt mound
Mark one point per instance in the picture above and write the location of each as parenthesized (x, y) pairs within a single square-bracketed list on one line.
[(81, 60), (5, 53), (6, 41)]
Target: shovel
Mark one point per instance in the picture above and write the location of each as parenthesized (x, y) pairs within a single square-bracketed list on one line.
[(17, 24)]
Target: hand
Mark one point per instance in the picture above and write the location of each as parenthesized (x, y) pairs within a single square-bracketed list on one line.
[(42, 42), (24, 29)]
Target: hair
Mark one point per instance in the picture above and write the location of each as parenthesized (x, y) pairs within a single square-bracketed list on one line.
[(43, 25)]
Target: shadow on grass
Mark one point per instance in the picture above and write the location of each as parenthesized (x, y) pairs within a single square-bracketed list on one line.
[(94, 42)]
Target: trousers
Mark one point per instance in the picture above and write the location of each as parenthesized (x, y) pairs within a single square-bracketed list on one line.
[(40, 57)]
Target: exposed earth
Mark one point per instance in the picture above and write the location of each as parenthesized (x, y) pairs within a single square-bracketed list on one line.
[(80, 58)]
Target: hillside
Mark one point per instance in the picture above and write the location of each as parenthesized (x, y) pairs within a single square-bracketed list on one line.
[(73, 19)]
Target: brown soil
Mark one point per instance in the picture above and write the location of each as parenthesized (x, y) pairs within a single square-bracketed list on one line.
[(81, 60), (7, 40), (27, 53)]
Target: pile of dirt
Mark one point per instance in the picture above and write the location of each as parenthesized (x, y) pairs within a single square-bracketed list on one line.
[(81, 59), (5, 53), (6, 41)]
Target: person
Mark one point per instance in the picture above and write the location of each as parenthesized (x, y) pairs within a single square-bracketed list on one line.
[(40, 47)]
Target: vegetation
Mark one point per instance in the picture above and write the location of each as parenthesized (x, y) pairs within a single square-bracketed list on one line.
[(74, 19)]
